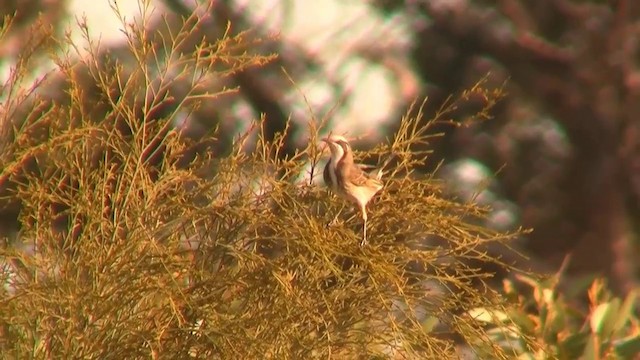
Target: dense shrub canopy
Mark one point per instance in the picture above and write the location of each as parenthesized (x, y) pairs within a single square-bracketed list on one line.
[(134, 238)]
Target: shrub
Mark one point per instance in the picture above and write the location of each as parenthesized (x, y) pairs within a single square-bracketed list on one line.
[(136, 240)]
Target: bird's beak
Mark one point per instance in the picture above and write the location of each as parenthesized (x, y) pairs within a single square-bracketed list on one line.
[(327, 143)]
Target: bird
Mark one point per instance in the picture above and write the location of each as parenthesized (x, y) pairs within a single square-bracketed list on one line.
[(348, 180)]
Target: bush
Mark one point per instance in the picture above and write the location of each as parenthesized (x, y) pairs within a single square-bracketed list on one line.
[(137, 240)]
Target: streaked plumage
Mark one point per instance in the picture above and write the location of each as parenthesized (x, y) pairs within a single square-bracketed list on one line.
[(346, 179)]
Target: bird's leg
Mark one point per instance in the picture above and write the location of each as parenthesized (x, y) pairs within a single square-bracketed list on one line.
[(364, 225), (364, 233)]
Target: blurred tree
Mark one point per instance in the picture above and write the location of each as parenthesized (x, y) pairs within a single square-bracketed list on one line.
[(31, 22), (568, 132)]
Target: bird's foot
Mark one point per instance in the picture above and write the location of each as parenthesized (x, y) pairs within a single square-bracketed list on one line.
[(364, 235)]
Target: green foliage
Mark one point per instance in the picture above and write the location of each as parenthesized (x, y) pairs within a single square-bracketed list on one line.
[(608, 329)]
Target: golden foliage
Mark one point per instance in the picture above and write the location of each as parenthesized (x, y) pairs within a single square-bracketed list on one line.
[(130, 248)]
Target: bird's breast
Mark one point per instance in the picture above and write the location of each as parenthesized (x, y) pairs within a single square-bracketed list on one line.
[(329, 176)]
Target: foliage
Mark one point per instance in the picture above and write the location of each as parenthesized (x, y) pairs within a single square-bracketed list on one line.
[(132, 245), (607, 329), (127, 250)]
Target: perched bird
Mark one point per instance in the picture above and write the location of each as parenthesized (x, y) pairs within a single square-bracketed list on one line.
[(348, 180)]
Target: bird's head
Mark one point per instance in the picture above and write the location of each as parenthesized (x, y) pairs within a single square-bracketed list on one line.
[(338, 145)]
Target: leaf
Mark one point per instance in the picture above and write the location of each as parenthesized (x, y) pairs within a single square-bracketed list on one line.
[(488, 315), (573, 345), (603, 317), (628, 347), (626, 312), (523, 321)]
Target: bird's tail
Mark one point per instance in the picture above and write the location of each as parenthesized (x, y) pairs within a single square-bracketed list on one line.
[(379, 171)]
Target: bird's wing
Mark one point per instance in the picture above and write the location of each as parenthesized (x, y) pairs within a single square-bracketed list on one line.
[(367, 167), (375, 171), (356, 176)]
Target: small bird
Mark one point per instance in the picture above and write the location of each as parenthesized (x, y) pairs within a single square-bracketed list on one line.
[(347, 179)]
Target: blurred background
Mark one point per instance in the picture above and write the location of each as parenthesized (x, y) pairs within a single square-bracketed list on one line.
[(561, 154)]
